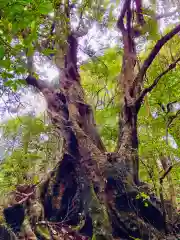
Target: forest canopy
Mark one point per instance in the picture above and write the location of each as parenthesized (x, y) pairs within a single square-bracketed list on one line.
[(89, 119)]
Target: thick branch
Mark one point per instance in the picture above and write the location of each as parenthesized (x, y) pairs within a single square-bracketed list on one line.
[(154, 53), (153, 85), (39, 84)]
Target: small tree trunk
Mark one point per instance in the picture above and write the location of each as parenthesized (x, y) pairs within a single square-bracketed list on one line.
[(128, 140), (172, 192)]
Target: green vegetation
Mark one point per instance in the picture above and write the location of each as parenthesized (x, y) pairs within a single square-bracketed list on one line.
[(106, 151)]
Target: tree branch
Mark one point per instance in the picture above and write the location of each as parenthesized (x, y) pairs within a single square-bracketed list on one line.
[(160, 16), (120, 23), (154, 53), (81, 32), (153, 85), (172, 118), (165, 174), (140, 17), (165, 15), (39, 84)]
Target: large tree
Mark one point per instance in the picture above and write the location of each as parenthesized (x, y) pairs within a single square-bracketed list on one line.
[(90, 188)]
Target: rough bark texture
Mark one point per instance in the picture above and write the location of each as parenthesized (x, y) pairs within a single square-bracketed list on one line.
[(90, 193)]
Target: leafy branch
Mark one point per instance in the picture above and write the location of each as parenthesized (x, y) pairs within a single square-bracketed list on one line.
[(156, 49), (156, 81)]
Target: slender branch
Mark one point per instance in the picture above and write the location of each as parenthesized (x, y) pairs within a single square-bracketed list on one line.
[(48, 40), (120, 23), (156, 81), (154, 53), (160, 16), (140, 17), (25, 198), (172, 118), (28, 57), (165, 15), (29, 63), (129, 19), (81, 17), (165, 174), (170, 104)]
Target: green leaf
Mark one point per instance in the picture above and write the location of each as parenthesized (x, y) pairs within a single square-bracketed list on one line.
[(32, 156), (5, 63), (36, 179), (2, 52), (20, 82), (30, 51), (94, 237), (6, 75), (14, 86), (20, 70), (33, 25), (8, 83), (151, 27), (48, 51), (45, 8)]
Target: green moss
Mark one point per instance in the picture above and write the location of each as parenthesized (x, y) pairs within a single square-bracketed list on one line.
[(100, 219)]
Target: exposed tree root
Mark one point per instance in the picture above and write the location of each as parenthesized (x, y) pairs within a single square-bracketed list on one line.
[(66, 216)]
